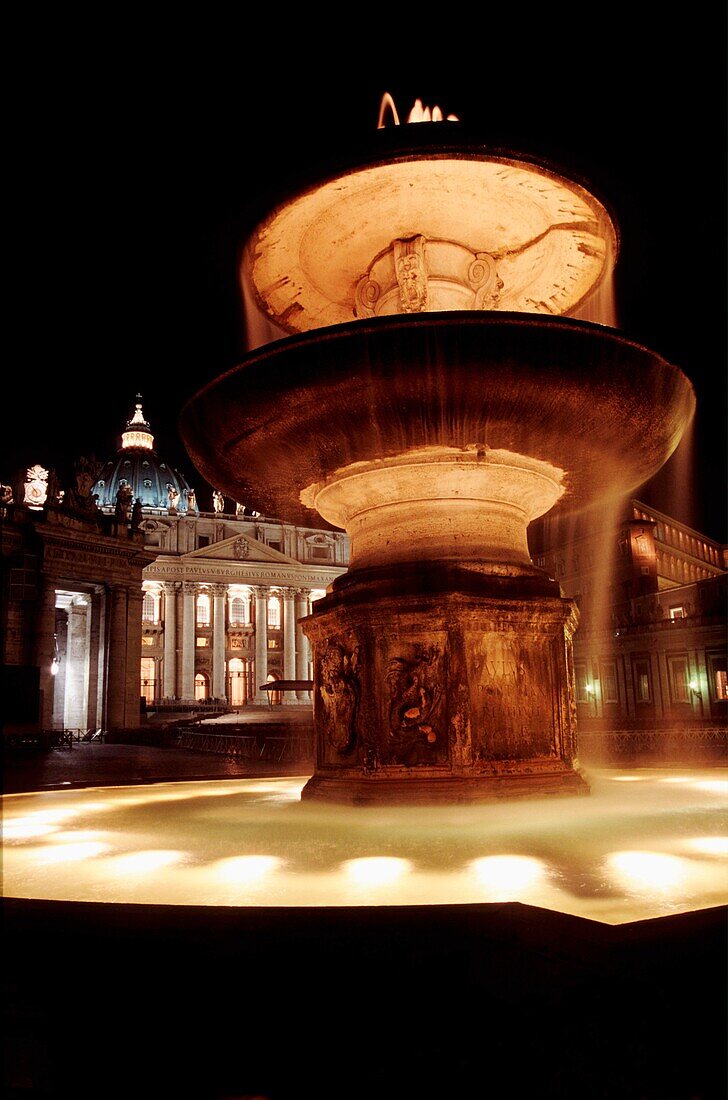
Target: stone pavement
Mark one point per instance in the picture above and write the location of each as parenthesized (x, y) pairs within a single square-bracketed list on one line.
[(99, 764)]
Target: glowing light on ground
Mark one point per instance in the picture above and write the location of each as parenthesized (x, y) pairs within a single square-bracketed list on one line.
[(69, 853), (647, 870), (135, 863), (245, 870), (714, 786), (708, 845), (507, 878), (26, 830), (626, 778), (376, 870)]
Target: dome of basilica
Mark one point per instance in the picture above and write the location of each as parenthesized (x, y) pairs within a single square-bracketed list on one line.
[(137, 465)]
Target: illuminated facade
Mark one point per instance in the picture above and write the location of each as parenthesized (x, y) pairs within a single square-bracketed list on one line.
[(650, 650), (224, 593)]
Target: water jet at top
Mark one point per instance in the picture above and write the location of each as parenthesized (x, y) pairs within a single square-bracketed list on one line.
[(436, 393)]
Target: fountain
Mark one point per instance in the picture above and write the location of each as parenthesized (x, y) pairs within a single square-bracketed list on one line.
[(435, 394), (227, 938)]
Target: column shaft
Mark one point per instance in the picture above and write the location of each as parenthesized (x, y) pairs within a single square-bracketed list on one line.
[(302, 654), (188, 641), (169, 687), (218, 641), (261, 643)]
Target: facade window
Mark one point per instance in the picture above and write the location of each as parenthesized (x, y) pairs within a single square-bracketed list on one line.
[(540, 561), (200, 686), (273, 643), (148, 639), (201, 642), (678, 668), (623, 548), (274, 612), (203, 610), (609, 682), (644, 570), (718, 678), (148, 679), (642, 681), (677, 612), (202, 540), (275, 544), (238, 609), (150, 608), (581, 681), (320, 553)]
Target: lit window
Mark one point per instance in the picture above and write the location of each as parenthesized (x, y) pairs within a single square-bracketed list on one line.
[(273, 643), (202, 642), (609, 682), (203, 610), (200, 686), (148, 639), (678, 667), (581, 678), (677, 612), (148, 679), (274, 613), (149, 608), (238, 611), (721, 685), (642, 684)]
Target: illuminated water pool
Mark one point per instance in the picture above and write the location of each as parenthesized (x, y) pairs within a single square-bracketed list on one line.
[(645, 844)]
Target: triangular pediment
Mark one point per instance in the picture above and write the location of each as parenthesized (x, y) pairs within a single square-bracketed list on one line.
[(240, 548)]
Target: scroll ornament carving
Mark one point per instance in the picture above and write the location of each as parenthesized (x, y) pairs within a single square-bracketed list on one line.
[(340, 692), (368, 292), (483, 278), (415, 691)]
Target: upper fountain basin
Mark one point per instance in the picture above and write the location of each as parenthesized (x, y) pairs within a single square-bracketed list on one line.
[(459, 227), (578, 396)]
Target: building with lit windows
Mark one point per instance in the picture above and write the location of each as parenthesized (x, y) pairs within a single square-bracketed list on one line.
[(650, 650), (226, 589)]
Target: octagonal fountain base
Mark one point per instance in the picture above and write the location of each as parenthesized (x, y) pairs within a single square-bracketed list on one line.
[(460, 692)]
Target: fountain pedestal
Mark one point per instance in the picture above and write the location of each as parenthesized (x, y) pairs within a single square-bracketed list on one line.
[(460, 692)]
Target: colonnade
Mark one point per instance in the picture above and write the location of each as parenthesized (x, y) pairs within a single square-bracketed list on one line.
[(180, 657)]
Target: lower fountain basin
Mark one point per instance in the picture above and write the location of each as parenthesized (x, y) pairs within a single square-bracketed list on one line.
[(578, 396), (647, 843)]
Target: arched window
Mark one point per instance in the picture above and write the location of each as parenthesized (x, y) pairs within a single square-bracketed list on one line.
[(150, 607), (203, 610), (200, 686), (238, 611), (274, 612)]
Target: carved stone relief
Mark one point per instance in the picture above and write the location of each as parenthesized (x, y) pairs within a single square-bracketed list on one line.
[(415, 714), (339, 690)]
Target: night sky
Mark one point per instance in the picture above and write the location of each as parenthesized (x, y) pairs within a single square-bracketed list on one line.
[(139, 165)]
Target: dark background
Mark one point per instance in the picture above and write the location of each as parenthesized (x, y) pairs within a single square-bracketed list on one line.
[(140, 155)]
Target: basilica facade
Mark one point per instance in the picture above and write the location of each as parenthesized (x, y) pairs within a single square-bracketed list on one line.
[(121, 593), (223, 597)]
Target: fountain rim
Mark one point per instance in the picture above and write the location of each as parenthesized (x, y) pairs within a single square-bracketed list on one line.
[(404, 151), (433, 320), (279, 370)]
